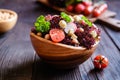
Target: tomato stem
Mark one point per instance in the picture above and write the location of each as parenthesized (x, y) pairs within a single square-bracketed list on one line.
[(101, 60)]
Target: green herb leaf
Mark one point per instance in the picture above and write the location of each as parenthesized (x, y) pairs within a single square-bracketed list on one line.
[(41, 24), (65, 16), (86, 21)]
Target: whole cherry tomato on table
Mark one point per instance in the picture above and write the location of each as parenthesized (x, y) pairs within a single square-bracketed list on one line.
[(100, 62)]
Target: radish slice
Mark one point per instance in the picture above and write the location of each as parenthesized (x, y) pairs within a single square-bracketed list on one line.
[(70, 26)]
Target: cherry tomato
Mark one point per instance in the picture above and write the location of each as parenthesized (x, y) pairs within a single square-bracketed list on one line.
[(69, 8), (88, 10), (99, 10), (96, 12), (79, 8), (103, 7), (100, 62), (57, 35)]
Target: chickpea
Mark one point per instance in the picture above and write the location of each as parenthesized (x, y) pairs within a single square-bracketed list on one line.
[(70, 32), (73, 36), (62, 24), (93, 33), (5, 15), (47, 36), (39, 34), (81, 29), (72, 19), (75, 41), (76, 18), (11, 16)]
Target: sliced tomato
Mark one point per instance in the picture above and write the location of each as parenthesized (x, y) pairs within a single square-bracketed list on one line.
[(100, 62), (57, 35)]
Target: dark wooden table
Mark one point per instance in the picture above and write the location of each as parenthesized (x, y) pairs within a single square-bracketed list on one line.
[(19, 62)]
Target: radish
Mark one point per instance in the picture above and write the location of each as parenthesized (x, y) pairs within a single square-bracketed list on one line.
[(70, 26)]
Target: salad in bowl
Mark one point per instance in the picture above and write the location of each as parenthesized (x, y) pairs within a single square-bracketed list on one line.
[(63, 40)]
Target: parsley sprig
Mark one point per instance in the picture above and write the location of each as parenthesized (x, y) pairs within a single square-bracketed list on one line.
[(41, 25), (87, 21), (65, 16)]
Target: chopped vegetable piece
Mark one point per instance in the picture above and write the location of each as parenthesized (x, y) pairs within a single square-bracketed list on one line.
[(70, 26), (65, 16), (62, 24), (57, 35), (87, 21), (41, 25)]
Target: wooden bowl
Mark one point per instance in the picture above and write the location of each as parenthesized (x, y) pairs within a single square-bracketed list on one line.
[(60, 55), (7, 24)]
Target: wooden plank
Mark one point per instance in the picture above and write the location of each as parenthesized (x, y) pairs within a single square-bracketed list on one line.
[(114, 36), (4, 36), (86, 70), (17, 55)]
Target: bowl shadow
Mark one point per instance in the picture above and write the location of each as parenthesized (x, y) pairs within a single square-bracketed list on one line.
[(44, 71)]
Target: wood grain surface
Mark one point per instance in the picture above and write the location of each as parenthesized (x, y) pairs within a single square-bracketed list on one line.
[(18, 60)]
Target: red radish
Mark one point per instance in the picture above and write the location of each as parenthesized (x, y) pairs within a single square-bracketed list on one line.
[(79, 8), (70, 26), (57, 35), (69, 8)]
